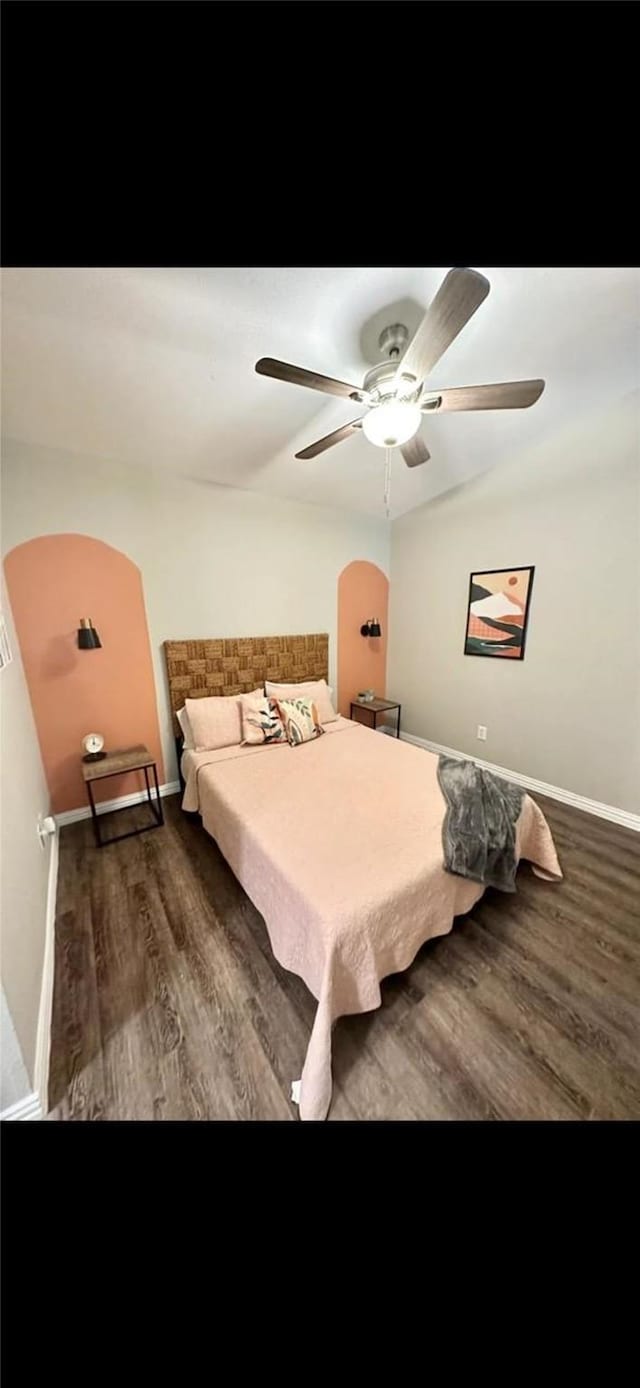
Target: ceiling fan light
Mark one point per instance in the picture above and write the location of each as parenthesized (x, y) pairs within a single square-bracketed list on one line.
[(389, 425)]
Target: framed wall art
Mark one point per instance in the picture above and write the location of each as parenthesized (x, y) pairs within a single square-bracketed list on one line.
[(498, 612)]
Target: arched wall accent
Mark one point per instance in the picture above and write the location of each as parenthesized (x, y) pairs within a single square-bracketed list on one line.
[(363, 592), (53, 581)]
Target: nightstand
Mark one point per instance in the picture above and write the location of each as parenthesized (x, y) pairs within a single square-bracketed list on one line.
[(115, 764), (374, 707)]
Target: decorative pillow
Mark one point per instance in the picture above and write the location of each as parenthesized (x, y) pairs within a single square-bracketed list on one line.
[(261, 721), (301, 721), (188, 744), (318, 690)]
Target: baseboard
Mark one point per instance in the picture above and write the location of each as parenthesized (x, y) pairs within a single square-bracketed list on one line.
[(567, 797), (43, 1035), (26, 1110), (84, 812)]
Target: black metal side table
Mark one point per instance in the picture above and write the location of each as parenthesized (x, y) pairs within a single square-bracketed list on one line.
[(116, 764), (376, 706)]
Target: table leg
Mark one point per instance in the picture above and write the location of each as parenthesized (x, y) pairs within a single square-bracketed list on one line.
[(160, 815), (398, 726), (94, 815)]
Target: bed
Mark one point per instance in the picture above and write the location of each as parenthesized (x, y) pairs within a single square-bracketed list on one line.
[(338, 842)]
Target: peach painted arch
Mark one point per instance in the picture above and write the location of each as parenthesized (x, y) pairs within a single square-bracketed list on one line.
[(53, 581), (363, 592)]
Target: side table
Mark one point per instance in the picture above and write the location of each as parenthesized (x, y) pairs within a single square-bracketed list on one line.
[(376, 706), (115, 764)]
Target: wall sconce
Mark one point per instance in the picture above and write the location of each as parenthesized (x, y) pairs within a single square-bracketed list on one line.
[(88, 639), (371, 628)]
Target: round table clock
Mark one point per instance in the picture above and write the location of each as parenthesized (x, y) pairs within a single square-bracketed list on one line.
[(93, 744)]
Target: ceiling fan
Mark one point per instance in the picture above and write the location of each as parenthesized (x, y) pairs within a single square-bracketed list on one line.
[(395, 392)]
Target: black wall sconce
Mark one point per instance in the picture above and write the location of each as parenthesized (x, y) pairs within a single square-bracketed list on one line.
[(371, 628), (88, 639)]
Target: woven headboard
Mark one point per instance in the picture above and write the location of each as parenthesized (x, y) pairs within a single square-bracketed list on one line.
[(198, 669)]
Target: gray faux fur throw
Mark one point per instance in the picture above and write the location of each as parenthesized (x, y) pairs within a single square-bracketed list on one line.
[(478, 831)]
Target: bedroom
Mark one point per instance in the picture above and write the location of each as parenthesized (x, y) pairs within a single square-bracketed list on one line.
[(151, 488)]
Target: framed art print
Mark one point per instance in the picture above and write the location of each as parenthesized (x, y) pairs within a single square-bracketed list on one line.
[(498, 612)]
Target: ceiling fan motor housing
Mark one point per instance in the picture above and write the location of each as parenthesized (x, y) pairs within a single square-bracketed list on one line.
[(380, 382)]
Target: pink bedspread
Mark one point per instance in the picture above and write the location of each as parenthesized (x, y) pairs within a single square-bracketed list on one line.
[(338, 845)]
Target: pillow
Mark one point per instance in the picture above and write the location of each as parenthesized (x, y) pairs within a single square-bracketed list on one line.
[(254, 694), (261, 721), (301, 721), (318, 690), (187, 735), (216, 721)]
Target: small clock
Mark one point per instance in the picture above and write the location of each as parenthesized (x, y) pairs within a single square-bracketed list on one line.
[(93, 744)]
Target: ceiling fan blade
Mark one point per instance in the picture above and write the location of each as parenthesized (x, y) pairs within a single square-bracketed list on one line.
[(459, 295), (283, 371), (511, 395), (415, 452), (329, 439)]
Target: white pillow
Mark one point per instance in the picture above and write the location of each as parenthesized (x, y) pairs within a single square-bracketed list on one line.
[(188, 744), (317, 690)]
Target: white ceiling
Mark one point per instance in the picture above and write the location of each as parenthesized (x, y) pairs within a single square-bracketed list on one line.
[(155, 367)]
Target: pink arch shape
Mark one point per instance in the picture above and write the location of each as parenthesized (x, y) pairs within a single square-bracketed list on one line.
[(54, 580), (363, 592)]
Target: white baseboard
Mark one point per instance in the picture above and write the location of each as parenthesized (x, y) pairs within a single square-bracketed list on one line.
[(43, 1036), (27, 1110), (84, 812), (568, 797)]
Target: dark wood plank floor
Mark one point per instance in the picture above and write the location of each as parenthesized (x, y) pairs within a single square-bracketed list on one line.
[(168, 1003)]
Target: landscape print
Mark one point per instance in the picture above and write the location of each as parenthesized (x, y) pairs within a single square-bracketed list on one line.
[(497, 613)]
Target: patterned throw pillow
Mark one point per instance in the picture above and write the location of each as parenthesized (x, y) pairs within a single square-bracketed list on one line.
[(261, 721), (300, 718), (318, 690)]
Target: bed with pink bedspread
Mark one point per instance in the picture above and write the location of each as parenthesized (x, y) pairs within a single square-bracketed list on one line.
[(338, 843)]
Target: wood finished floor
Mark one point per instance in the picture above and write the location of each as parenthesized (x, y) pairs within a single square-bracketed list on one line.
[(168, 1003)]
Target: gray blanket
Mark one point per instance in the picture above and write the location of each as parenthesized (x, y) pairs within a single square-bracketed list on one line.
[(478, 832)]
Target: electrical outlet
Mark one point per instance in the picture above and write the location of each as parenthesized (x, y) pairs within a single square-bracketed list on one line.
[(45, 827), (482, 733)]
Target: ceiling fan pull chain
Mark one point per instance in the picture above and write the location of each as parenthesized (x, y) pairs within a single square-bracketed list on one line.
[(387, 481)]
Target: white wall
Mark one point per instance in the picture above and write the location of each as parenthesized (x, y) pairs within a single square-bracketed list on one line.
[(215, 561), (25, 865), (14, 1080), (569, 713)]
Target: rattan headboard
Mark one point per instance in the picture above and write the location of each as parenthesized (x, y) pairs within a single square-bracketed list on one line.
[(198, 669)]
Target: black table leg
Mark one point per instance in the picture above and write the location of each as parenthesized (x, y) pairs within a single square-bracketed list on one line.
[(159, 815), (154, 805), (398, 726), (94, 815)]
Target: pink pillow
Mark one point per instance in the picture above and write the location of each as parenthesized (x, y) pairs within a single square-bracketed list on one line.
[(187, 736), (215, 722), (318, 690)]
